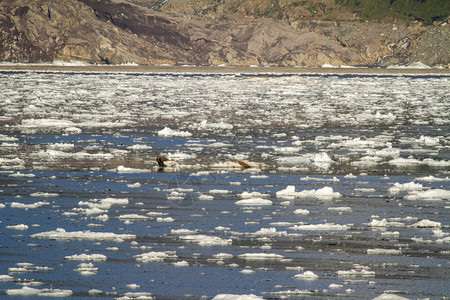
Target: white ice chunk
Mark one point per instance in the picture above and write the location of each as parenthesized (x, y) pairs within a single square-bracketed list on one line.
[(300, 211), (356, 273), (6, 278), (223, 256), (427, 224), (28, 291), (237, 297), (389, 296), (431, 178), (246, 195), (122, 169), (254, 202), (29, 206), (84, 256), (18, 227), (428, 140), (323, 193), (43, 194), (62, 234), (134, 217), (430, 195), (205, 197), (380, 251), (405, 187), (169, 132), (321, 227), (206, 240), (307, 275), (260, 256), (86, 269), (155, 256), (182, 263)]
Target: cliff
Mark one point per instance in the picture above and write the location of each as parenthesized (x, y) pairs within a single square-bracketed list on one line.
[(213, 32)]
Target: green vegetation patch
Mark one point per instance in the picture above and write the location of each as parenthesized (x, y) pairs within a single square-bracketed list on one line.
[(426, 11)]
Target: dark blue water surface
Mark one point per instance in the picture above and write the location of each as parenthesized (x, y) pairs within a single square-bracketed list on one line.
[(368, 157)]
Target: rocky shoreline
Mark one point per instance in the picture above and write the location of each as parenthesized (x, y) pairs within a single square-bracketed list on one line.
[(121, 32)]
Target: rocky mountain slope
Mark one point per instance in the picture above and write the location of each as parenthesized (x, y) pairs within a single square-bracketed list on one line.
[(213, 32)]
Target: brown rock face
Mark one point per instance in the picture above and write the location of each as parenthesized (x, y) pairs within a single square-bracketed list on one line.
[(118, 32)]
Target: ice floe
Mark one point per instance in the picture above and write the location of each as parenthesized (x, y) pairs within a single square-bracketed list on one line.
[(29, 206), (86, 269), (322, 227), (260, 256), (205, 240), (429, 195), (405, 187), (176, 133), (380, 251), (62, 234), (254, 202), (307, 275), (155, 256), (17, 227), (84, 256), (29, 291), (237, 297), (323, 193)]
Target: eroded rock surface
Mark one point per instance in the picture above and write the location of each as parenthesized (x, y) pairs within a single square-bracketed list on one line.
[(119, 32)]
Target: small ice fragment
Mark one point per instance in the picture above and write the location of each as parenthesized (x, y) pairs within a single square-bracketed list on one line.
[(86, 269), (134, 217), (223, 256), (155, 256), (389, 296), (182, 263), (95, 292), (300, 211), (254, 202), (237, 297), (217, 191), (325, 193), (427, 224), (430, 195), (42, 194), (378, 251), (169, 132), (261, 256), (205, 240), (28, 291), (335, 286), (205, 197), (18, 227), (6, 278), (308, 275), (168, 219), (62, 234), (84, 256), (406, 187), (321, 227), (342, 208)]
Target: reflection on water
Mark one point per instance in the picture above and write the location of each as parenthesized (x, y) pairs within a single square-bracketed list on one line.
[(352, 201)]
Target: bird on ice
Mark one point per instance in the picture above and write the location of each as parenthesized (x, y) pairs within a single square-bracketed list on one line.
[(164, 162)]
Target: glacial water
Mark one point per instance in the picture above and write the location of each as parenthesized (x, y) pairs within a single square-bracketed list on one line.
[(347, 194)]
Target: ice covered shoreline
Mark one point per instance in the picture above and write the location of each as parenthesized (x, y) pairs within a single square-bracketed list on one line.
[(343, 70)]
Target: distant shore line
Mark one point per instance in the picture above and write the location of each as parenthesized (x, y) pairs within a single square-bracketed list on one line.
[(225, 69)]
